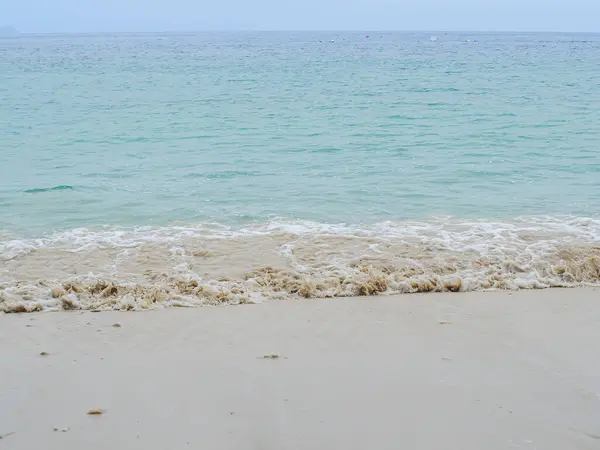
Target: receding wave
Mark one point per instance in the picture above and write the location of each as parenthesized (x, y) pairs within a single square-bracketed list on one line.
[(153, 268)]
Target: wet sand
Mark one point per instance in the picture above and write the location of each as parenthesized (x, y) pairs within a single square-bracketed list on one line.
[(472, 370), (156, 268)]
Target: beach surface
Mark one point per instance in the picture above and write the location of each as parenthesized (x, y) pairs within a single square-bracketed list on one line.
[(494, 370)]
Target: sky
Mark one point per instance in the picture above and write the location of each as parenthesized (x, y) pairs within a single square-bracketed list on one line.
[(48, 16)]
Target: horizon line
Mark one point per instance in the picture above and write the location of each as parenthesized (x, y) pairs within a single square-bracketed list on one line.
[(249, 30)]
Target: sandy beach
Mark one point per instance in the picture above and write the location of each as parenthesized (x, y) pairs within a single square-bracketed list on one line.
[(497, 370)]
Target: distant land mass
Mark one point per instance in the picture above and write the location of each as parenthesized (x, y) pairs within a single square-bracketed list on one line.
[(8, 31)]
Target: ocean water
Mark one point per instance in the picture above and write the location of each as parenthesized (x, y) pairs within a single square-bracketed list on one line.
[(147, 170)]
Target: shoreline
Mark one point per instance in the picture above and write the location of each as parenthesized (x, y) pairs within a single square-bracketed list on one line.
[(466, 370), (153, 268), (70, 304)]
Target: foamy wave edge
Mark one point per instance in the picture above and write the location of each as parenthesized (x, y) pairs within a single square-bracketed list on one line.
[(317, 260)]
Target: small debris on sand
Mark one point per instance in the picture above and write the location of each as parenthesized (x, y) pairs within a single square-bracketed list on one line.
[(273, 356), (62, 430), (116, 325), (44, 354), (445, 322), (95, 412)]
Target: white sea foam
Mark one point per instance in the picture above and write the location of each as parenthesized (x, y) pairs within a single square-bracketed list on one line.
[(141, 268)]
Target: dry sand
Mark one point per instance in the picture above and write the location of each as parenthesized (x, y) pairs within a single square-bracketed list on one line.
[(436, 371)]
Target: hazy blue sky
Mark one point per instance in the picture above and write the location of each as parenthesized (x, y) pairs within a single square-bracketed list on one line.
[(165, 15)]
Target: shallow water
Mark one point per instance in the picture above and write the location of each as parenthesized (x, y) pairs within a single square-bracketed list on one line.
[(392, 157)]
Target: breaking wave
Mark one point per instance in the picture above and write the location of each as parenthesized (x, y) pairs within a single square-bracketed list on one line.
[(153, 268)]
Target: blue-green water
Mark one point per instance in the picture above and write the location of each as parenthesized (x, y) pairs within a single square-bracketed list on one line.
[(256, 130), (231, 128)]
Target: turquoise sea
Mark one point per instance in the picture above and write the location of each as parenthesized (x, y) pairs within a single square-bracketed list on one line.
[(446, 147)]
